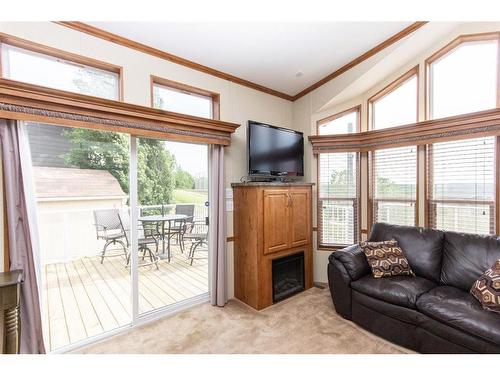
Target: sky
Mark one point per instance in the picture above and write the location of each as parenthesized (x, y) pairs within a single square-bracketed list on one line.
[(191, 157)]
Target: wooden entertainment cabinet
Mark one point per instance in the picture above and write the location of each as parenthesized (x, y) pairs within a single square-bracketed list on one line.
[(271, 221)]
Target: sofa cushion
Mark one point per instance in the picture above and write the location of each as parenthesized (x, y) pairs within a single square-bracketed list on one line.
[(399, 290), (466, 257), (422, 247), (460, 310), (487, 288), (386, 259)]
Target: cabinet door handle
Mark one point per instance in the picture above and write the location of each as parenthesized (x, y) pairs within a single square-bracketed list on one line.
[(290, 201)]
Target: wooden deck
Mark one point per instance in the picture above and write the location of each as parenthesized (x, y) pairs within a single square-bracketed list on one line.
[(84, 298)]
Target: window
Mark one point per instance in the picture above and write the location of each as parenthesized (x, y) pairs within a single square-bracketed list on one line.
[(338, 185), (46, 70), (338, 199), (397, 104), (463, 79), (180, 98), (395, 185), (342, 123), (462, 185)]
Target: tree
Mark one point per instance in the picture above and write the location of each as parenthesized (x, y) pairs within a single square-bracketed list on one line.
[(388, 188), (342, 182), (92, 149), (96, 83), (183, 179), (157, 173), (156, 167)]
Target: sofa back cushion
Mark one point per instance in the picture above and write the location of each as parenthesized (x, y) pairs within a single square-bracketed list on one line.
[(422, 247), (466, 257)]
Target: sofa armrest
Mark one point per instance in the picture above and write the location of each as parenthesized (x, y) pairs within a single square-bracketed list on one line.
[(339, 283), (354, 261)]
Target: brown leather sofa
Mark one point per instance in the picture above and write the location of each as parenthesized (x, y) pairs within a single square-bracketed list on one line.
[(432, 312)]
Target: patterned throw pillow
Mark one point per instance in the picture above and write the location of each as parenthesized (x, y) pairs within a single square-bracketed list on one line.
[(386, 259), (487, 288)]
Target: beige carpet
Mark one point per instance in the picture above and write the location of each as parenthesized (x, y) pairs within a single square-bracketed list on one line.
[(305, 323)]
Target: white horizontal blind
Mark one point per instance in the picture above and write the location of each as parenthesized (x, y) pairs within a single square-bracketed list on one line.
[(462, 185), (395, 185), (338, 199)]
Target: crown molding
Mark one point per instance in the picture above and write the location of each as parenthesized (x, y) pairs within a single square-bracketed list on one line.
[(378, 48), (99, 33), (103, 34)]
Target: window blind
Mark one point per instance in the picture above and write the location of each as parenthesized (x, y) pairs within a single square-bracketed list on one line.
[(461, 177), (394, 185), (337, 199)]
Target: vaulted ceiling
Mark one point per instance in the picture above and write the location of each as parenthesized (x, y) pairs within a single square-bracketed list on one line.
[(286, 57)]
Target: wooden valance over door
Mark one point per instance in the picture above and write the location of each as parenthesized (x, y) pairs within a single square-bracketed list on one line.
[(471, 125), (27, 102)]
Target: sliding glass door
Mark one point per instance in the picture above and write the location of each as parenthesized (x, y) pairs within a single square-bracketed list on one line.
[(80, 186), (122, 226), (172, 222)]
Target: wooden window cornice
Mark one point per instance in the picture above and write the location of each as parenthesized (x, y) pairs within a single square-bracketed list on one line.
[(476, 124), (23, 101)]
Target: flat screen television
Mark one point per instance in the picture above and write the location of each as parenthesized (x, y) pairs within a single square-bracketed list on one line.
[(274, 151)]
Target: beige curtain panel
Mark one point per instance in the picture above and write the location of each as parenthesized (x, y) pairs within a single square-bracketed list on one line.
[(20, 245), (217, 235)]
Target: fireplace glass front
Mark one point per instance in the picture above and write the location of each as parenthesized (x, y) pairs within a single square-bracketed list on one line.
[(288, 276)]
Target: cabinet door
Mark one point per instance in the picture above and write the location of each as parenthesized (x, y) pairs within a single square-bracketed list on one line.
[(276, 223), (299, 217)]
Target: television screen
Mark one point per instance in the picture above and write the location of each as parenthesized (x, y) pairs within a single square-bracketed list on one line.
[(274, 151)]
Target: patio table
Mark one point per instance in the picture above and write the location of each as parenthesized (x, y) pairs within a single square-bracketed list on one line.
[(161, 220)]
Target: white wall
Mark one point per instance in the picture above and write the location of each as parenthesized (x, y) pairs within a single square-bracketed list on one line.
[(357, 85), (238, 104), (66, 228)]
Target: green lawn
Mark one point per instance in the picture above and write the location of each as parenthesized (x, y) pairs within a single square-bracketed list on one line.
[(190, 196)]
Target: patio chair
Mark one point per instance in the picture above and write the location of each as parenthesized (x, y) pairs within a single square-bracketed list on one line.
[(143, 242), (108, 228), (180, 227), (198, 235), (151, 228)]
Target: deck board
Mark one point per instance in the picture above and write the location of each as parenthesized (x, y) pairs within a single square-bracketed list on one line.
[(58, 329), (84, 298), (72, 313), (87, 311)]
